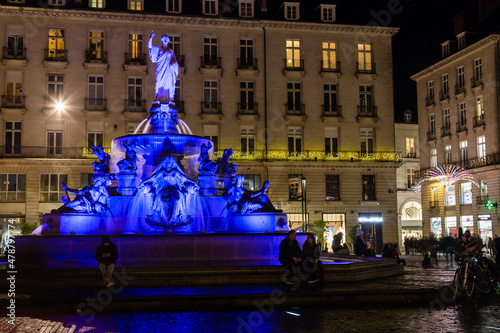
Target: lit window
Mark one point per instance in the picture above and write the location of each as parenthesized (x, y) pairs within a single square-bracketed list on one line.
[(247, 139), (12, 187), (96, 4), (210, 7), (135, 5), (481, 146), (433, 160), (464, 155), (328, 13), (14, 96), (293, 53), (466, 193), (450, 195), (294, 140), (291, 11), (329, 55), (57, 2), (447, 150), (246, 8), (96, 45), (56, 49), (410, 147), (16, 1), (367, 140), (479, 106), (50, 187), (294, 187), (174, 6), (365, 57), (134, 47)]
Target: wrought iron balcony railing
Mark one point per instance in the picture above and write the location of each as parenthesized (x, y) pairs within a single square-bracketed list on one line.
[(211, 108), (135, 105), (248, 109), (14, 54), (295, 109), (429, 100), (444, 95), (248, 63), (96, 57), (431, 135), (369, 111), (331, 110), (461, 126), (478, 120), (330, 66), (96, 104), (50, 152), (294, 64), (459, 88), (13, 101), (411, 155), (433, 204), (211, 62), (476, 81), (135, 59), (470, 163), (366, 68), (445, 131), (56, 55)]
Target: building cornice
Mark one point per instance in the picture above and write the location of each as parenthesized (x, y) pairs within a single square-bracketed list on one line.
[(190, 20), (485, 41)]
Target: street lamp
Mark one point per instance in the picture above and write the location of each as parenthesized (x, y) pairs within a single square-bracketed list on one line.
[(60, 106), (304, 206)]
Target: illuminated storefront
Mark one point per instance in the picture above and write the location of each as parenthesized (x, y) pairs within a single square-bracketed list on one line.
[(436, 228), (411, 220), (451, 226), (485, 227), (371, 224), (335, 224)]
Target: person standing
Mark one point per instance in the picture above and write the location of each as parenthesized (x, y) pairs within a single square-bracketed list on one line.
[(290, 255), (491, 247), (107, 255)]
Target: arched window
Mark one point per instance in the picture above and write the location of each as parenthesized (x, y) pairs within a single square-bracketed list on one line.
[(412, 210)]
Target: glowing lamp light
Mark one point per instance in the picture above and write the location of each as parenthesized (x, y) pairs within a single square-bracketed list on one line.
[(447, 174), (60, 106)]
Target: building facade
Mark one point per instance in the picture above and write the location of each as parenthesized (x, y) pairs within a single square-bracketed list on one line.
[(301, 99), (458, 108)]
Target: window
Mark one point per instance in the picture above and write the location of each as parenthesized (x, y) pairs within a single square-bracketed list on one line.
[(294, 187), (210, 94), (433, 160), (246, 53), (410, 147), (327, 13), (297, 220), (177, 96), (447, 151), (135, 47), (96, 45), (57, 2), (56, 48), (12, 137), (293, 53), (174, 6), (246, 8), (445, 85), (15, 45), (294, 140), (175, 45), (55, 86), (484, 188), (135, 5), (293, 96), (410, 177), (210, 7), (329, 55), (466, 193), (365, 99), (54, 142), (430, 90), (478, 72), (50, 187), (367, 140), (12, 187), (407, 117), (461, 77), (210, 50), (251, 182), (332, 187), (16, 1), (364, 57), (447, 119), (96, 4), (434, 196), (96, 90), (247, 137), (368, 188), (247, 96), (461, 41), (331, 141), (445, 48), (481, 146), (462, 117), (212, 132), (463, 151), (432, 123), (291, 11), (134, 91), (86, 179), (479, 107), (450, 195), (330, 98), (95, 139), (14, 86)]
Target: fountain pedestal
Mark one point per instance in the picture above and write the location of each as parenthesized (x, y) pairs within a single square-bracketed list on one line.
[(126, 183), (207, 183)]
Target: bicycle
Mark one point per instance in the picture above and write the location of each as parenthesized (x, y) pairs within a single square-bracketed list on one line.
[(470, 275)]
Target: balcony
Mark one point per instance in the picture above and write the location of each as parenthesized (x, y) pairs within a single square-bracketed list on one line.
[(429, 100), (96, 104), (132, 105), (478, 120), (211, 64), (179, 106), (330, 67), (96, 58), (13, 54), (366, 68), (211, 108), (294, 109), (367, 111), (444, 95), (49, 152), (13, 102), (249, 64), (433, 205), (293, 66), (470, 163), (476, 81), (431, 135), (411, 155), (482, 199), (331, 111), (461, 126), (56, 56), (445, 131), (135, 60), (459, 89), (248, 109)]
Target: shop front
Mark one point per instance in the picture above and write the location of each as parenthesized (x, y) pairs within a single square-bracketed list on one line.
[(485, 227), (335, 224), (467, 223), (371, 224), (436, 227), (411, 220), (451, 226)]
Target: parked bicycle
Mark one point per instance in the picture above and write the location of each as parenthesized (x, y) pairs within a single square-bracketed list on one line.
[(473, 272)]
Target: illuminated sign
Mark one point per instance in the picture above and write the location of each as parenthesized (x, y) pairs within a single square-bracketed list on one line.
[(451, 224), (484, 217), (489, 204), (373, 217)]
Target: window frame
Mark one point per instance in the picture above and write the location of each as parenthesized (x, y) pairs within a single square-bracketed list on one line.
[(15, 193), (295, 192), (291, 16), (433, 157), (129, 5), (241, 3), (14, 149), (333, 190), (60, 190), (295, 140), (207, 4), (324, 13), (368, 183), (247, 140), (167, 6), (103, 4)]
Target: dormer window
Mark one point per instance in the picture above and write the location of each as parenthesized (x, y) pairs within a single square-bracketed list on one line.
[(461, 40), (17, 1), (291, 11), (136, 5), (328, 13), (174, 6), (246, 8), (210, 7), (98, 4), (57, 2), (445, 48)]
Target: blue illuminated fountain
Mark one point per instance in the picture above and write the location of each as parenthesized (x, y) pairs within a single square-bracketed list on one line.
[(161, 180)]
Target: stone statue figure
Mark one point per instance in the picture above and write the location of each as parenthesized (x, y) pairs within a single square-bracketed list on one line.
[(167, 68), (224, 167), (129, 163), (206, 165), (102, 163), (171, 190), (239, 200), (91, 199)]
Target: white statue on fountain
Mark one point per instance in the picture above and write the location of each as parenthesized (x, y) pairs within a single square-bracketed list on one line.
[(167, 69)]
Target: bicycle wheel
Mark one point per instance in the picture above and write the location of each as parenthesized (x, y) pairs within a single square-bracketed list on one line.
[(469, 284), (457, 283), (481, 280)]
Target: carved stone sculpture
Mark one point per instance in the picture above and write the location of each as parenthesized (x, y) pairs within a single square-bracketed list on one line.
[(224, 167), (239, 200), (102, 163), (167, 69), (91, 199), (206, 165), (129, 163)]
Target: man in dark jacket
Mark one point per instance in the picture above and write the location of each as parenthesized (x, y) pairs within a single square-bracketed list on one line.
[(107, 255), (290, 254)]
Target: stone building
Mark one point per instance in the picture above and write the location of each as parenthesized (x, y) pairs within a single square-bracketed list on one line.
[(458, 109), (302, 94)]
